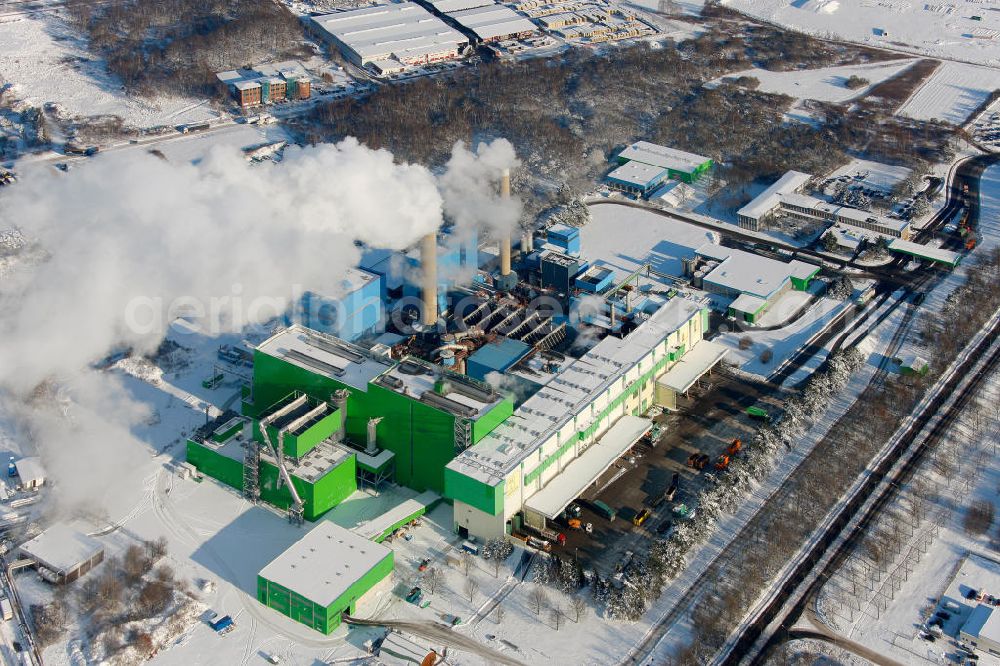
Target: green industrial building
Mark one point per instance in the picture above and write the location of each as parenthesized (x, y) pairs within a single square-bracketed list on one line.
[(677, 164), (339, 415), (323, 576)]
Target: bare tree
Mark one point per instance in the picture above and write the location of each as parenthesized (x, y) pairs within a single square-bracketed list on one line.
[(466, 563), (471, 587), (556, 614), (537, 599), (578, 605), (433, 579)]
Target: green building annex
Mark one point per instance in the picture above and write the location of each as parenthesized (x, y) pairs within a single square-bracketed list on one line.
[(323, 416)]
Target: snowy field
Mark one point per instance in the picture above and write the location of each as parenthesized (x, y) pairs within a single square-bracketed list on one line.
[(953, 92), (827, 84), (44, 60), (940, 28)]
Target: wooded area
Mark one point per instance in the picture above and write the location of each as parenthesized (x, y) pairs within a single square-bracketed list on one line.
[(178, 45)]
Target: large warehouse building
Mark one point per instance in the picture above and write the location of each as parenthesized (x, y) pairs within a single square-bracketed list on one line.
[(784, 196), (754, 282), (563, 437), (678, 164), (493, 23), (324, 576), (403, 32)]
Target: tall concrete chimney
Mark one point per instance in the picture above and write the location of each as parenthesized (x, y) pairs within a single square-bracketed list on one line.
[(507, 280), (505, 240), (428, 261)]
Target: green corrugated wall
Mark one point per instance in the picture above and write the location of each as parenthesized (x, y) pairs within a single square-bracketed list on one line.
[(328, 491), (215, 465), (322, 619)]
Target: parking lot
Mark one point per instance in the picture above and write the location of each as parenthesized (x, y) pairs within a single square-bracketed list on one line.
[(707, 422)]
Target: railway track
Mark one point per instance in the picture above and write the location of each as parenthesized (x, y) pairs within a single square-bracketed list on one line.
[(858, 508)]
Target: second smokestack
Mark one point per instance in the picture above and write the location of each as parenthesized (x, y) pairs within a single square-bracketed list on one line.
[(428, 260), (505, 239)]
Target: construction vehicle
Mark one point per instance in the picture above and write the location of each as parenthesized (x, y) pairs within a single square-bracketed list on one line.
[(722, 462), (734, 448), (414, 596), (641, 517)]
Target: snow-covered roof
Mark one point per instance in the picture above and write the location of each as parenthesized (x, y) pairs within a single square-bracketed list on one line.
[(62, 547), (748, 303), (696, 362), (491, 21), (765, 202), (662, 156), (324, 355), (568, 395), (934, 253), (749, 273), (404, 30), (983, 622), (585, 468), (461, 395), (447, 6), (246, 85), (323, 564), (30, 469), (382, 522), (637, 174)]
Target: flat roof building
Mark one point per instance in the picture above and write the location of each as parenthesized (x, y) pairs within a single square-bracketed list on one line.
[(982, 629), (405, 32), (637, 178), (784, 196), (323, 576), (754, 281), (30, 472), (493, 23), (65, 550), (679, 164), (586, 402)]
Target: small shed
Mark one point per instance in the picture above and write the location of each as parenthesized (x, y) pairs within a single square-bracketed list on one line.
[(65, 550), (914, 365), (30, 472)]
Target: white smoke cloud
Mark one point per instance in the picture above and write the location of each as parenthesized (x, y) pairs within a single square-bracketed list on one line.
[(126, 239), (128, 244), (470, 187)]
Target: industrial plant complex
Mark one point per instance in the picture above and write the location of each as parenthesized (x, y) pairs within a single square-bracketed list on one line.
[(340, 401)]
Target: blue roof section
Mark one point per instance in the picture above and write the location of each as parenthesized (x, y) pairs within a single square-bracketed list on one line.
[(496, 356), (977, 620)]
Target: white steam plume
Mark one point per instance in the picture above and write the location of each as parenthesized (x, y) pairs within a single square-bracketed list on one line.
[(135, 237), (470, 184)]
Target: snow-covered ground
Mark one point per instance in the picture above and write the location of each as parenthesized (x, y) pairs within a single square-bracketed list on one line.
[(827, 84), (954, 90), (782, 342), (942, 28), (45, 60), (949, 565)]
